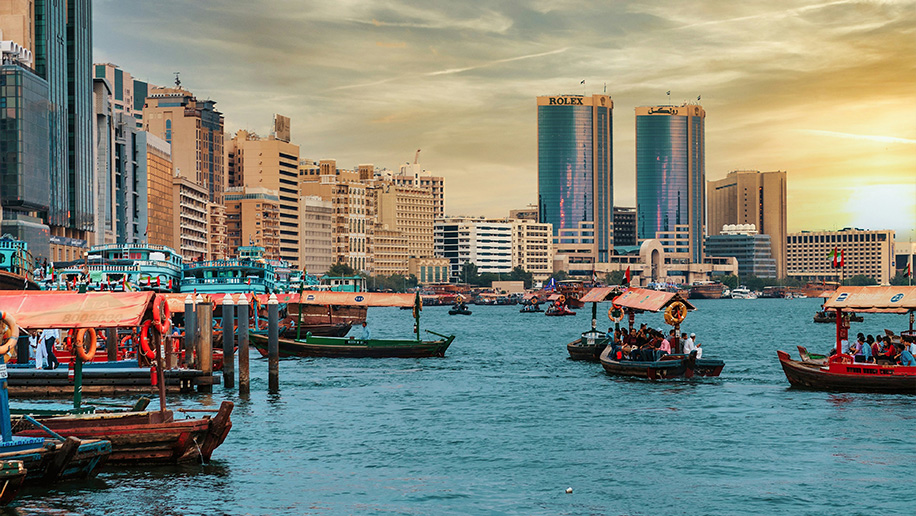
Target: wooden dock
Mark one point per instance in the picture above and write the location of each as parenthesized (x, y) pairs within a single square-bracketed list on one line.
[(108, 379)]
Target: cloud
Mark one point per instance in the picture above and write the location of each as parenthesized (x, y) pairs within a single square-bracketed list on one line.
[(864, 137)]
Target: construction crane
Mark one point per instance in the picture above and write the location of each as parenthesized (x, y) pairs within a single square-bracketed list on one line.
[(416, 157)]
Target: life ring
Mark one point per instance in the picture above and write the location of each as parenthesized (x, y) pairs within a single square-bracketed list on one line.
[(561, 299), (162, 315), (86, 355), (533, 300), (675, 313), (144, 340), (13, 330), (615, 313), (124, 339), (840, 359)]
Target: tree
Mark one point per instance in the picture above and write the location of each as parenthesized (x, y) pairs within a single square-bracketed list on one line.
[(341, 269), (730, 281), (559, 276), (860, 280), (900, 279), (615, 278), (520, 274), (468, 273)]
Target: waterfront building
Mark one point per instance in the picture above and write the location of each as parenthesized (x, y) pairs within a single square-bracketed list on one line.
[(429, 270), (650, 263), (751, 197), (316, 218), (104, 144), (624, 226), (575, 165), (270, 163), (574, 251), (194, 129), (865, 252), (253, 219), (79, 120), (160, 228), (217, 235), (904, 254), (485, 243), (389, 252), (191, 218), (529, 212), (408, 207), (671, 175), (751, 249), (128, 94), (411, 174), (532, 247)]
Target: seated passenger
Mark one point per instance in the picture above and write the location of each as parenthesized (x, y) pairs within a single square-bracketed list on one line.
[(904, 357)]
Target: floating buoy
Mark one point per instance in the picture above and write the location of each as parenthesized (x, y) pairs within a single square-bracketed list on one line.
[(568, 490)]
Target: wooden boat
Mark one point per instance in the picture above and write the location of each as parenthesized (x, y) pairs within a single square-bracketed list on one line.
[(339, 347), (16, 265), (674, 365), (589, 346), (145, 437), (459, 310), (530, 309), (840, 372), (558, 311), (706, 290), (12, 475), (56, 458), (829, 316)]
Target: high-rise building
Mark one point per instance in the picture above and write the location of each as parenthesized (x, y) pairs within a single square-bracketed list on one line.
[(809, 255), (128, 94), (408, 208), (751, 197), (194, 129), (316, 219), (104, 144), (576, 165), (160, 212), (410, 174), (191, 219), (671, 176), (217, 233), (485, 243), (624, 226), (253, 218), (273, 164), (532, 247), (79, 117)]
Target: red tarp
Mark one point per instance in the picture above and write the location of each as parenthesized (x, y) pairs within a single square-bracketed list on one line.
[(649, 300), (50, 309), (896, 300), (599, 294)]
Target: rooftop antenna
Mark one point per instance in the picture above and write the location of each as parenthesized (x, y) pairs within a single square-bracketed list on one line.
[(416, 157), (177, 80)]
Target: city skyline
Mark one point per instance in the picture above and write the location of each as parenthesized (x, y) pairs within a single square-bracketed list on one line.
[(820, 90)]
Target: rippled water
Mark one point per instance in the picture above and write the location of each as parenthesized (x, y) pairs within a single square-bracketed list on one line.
[(506, 422)]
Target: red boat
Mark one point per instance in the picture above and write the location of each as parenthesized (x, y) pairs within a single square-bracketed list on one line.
[(841, 372)]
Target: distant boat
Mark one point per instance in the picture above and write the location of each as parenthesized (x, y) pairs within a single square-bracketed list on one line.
[(16, 265), (707, 290), (743, 292)]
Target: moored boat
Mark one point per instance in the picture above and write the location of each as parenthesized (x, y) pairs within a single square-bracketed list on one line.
[(12, 475), (707, 290), (829, 316), (16, 265), (841, 372)]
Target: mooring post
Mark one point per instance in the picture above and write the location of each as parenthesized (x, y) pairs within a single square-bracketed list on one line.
[(111, 344), (228, 342), (205, 343), (244, 382), (273, 344), (190, 330)]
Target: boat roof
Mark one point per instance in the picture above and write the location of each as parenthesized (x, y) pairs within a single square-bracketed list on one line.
[(874, 299), (649, 300), (64, 310), (599, 294), (310, 297)]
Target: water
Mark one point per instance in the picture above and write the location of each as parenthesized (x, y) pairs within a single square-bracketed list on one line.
[(506, 422)]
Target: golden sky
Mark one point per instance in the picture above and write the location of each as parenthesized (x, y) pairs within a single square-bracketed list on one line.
[(823, 90)]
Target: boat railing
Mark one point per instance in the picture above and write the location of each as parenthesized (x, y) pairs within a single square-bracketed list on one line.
[(223, 281)]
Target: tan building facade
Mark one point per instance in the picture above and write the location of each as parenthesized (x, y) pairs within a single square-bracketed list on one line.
[(865, 252), (410, 174), (751, 197), (532, 247), (389, 252), (253, 218), (273, 164), (16, 22), (408, 209), (429, 270), (191, 219), (194, 129), (316, 218), (217, 239), (160, 213)]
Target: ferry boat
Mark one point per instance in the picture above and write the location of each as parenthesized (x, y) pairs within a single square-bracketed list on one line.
[(120, 267), (743, 292), (249, 273), (15, 265), (707, 290)]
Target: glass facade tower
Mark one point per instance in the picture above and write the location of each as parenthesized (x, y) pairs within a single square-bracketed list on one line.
[(24, 180), (575, 165), (79, 114), (671, 175)]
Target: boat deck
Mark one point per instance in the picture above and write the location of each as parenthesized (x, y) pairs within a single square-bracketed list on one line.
[(109, 380)]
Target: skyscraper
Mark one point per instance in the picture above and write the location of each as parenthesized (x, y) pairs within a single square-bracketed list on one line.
[(752, 197), (671, 176), (575, 165)]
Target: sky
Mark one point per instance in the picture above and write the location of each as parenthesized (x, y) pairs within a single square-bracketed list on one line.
[(825, 91)]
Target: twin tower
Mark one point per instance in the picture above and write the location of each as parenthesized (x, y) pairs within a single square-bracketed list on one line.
[(576, 171)]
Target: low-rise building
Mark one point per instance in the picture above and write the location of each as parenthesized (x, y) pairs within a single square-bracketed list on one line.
[(752, 250), (809, 255)]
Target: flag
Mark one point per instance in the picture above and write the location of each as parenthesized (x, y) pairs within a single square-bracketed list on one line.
[(909, 271), (834, 255), (170, 283), (594, 277), (249, 281), (842, 257), (158, 281), (627, 275), (552, 284)]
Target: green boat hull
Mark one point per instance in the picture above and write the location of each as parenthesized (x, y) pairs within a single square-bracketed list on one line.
[(341, 347)]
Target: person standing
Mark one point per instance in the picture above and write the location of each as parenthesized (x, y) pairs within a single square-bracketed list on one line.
[(688, 343), (366, 332), (41, 351), (50, 337)]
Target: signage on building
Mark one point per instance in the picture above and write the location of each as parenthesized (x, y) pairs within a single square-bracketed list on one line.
[(565, 101)]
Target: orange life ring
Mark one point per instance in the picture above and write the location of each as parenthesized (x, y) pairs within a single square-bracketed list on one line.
[(144, 340), (162, 315), (675, 313), (124, 340), (614, 309), (533, 300), (561, 299), (82, 352), (10, 322)]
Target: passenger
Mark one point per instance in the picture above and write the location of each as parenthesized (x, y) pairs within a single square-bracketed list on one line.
[(912, 345), (699, 347), (856, 345), (664, 345), (365, 331), (904, 357), (876, 347), (689, 345)]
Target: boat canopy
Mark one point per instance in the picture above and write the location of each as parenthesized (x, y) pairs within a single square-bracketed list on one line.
[(599, 294), (310, 297), (892, 299), (64, 310), (649, 300)]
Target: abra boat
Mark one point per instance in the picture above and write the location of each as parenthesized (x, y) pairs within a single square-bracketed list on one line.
[(15, 265), (637, 300), (592, 343), (829, 316), (249, 273), (12, 474), (340, 347), (459, 309), (841, 373)]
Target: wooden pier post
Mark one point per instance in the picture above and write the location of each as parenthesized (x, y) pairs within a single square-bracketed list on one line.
[(273, 344), (190, 330), (205, 342), (244, 382), (228, 342), (111, 344)]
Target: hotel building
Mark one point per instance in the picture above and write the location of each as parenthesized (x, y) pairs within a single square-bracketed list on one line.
[(485, 243), (191, 218), (253, 218), (316, 218), (532, 248), (575, 165), (865, 252), (671, 177), (751, 197), (160, 213)]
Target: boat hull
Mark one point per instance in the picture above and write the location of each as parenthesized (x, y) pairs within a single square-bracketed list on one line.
[(855, 377), (337, 347), (587, 347), (12, 475), (71, 459), (671, 366)]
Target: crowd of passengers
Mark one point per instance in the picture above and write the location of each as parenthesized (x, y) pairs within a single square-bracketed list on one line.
[(649, 345), (881, 349)]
